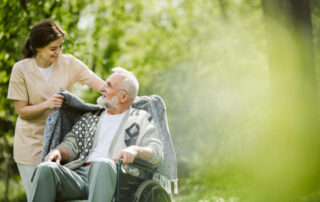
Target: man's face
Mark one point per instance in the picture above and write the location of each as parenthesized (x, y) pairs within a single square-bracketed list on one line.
[(110, 92)]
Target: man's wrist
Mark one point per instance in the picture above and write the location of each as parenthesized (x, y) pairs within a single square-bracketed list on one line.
[(58, 149), (139, 150), (64, 153)]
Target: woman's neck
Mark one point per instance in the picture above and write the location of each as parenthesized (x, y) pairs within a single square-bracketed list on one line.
[(42, 63)]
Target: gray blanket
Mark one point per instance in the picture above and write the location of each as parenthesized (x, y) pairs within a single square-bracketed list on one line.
[(156, 107), (60, 121)]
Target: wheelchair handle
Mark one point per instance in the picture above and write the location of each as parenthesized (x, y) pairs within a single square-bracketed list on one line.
[(118, 180), (119, 164)]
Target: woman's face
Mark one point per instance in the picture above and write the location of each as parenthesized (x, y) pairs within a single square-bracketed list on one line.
[(50, 52)]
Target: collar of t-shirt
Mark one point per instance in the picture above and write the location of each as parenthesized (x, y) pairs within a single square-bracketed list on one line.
[(108, 129), (46, 72)]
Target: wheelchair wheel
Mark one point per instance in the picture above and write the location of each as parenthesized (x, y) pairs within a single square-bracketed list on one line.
[(151, 191)]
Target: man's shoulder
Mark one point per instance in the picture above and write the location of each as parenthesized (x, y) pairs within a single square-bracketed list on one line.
[(140, 114), (90, 115), (87, 119)]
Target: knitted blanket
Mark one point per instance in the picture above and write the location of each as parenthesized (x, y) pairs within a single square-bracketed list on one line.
[(60, 121)]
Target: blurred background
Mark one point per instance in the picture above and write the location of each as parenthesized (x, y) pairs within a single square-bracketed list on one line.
[(239, 78)]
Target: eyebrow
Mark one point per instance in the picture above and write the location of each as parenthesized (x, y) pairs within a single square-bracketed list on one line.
[(54, 46), (57, 46), (109, 84)]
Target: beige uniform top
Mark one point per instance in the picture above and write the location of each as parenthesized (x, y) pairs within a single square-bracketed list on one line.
[(28, 84)]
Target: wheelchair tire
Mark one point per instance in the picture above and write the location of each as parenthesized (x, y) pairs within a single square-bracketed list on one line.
[(151, 191)]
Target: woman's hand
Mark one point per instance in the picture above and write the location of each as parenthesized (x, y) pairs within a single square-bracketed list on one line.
[(27, 111), (55, 101)]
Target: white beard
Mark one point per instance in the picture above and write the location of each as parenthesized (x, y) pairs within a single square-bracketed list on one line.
[(112, 104)]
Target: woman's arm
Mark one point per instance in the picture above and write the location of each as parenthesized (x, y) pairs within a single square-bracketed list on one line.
[(27, 111), (96, 84)]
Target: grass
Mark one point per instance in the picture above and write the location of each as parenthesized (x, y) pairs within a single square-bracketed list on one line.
[(215, 184), (210, 184)]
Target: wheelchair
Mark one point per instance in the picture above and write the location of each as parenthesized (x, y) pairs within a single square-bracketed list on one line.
[(141, 188)]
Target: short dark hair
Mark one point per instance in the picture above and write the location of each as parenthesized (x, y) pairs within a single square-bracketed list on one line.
[(41, 35)]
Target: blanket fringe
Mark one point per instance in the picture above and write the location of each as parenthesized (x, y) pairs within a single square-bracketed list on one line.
[(175, 182), (166, 183)]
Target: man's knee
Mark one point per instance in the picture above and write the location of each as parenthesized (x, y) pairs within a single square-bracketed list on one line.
[(104, 164), (102, 174), (44, 169)]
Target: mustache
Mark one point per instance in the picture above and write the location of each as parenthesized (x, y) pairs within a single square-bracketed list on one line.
[(102, 102)]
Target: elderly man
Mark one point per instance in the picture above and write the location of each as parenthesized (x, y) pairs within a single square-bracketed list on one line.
[(97, 141)]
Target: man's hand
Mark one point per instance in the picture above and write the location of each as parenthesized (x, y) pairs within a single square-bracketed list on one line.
[(54, 155), (128, 155)]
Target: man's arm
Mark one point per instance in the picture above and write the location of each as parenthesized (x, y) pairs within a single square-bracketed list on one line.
[(67, 150), (150, 148), (130, 153)]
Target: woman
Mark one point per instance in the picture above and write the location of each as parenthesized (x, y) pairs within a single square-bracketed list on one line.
[(34, 82)]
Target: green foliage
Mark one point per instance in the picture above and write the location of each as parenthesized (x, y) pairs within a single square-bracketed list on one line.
[(207, 59), (16, 190), (16, 21)]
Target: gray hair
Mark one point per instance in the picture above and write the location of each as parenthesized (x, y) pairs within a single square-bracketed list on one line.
[(130, 83)]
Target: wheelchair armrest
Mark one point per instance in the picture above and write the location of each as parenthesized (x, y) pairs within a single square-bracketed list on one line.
[(144, 165)]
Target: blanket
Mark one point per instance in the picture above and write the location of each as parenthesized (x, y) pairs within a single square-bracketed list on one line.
[(60, 121), (167, 171)]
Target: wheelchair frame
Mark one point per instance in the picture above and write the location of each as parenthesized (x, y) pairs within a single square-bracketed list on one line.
[(139, 189)]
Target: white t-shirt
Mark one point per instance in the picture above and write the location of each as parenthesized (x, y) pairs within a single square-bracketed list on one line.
[(108, 129), (46, 72)]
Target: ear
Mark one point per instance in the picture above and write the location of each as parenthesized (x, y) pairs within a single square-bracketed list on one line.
[(124, 97)]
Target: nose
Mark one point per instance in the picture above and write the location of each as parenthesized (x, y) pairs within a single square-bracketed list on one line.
[(103, 89), (59, 50)]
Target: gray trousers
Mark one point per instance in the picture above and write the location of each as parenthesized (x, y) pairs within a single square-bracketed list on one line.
[(96, 182)]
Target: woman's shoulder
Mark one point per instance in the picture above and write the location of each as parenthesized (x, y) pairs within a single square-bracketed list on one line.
[(66, 57), (23, 64), (24, 61), (65, 60), (70, 60)]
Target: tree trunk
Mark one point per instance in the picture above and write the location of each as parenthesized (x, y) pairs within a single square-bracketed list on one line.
[(223, 8), (288, 164), (291, 58)]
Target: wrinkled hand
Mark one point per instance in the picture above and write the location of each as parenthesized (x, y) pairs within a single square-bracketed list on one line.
[(55, 101), (128, 155), (53, 156)]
